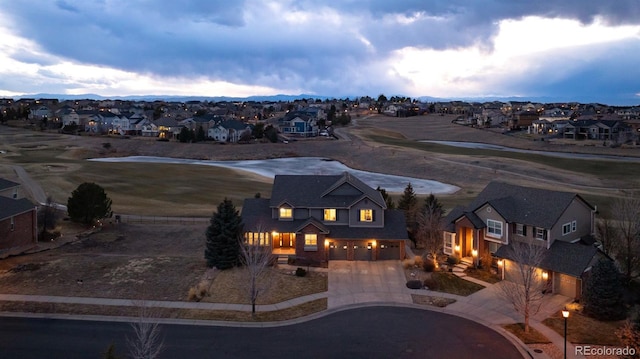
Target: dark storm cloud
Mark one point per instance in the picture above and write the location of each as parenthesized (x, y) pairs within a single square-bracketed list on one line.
[(251, 42)]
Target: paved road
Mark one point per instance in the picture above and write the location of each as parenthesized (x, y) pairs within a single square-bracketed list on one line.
[(371, 332)]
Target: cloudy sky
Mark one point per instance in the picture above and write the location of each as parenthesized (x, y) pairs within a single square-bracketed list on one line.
[(583, 50)]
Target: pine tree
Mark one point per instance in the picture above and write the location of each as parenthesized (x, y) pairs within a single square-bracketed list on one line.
[(387, 198), (603, 297), (88, 203), (409, 204), (223, 248)]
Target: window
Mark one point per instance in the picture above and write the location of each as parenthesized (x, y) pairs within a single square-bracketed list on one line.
[(566, 229), (493, 247), (13, 223), (494, 228), (521, 229), (366, 215), (330, 214), (449, 238), (574, 226), (310, 242), (540, 234), (286, 212)]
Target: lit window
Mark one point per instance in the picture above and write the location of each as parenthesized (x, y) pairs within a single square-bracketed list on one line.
[(494, 228), (366, 215), (330, 214), (310, 242), (286, 213)]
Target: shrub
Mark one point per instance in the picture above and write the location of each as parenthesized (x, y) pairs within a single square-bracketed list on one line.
[(199, 291), (301, 272), (414, 284), (407, 263), (428, 265), (418, 261), (453, 260)]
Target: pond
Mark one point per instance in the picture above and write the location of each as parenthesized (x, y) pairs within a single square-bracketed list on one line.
[(304, 166)]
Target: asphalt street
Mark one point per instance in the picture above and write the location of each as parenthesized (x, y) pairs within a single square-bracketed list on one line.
[(370, 332)]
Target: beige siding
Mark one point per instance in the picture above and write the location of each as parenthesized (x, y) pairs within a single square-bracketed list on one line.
[(487, 212), (577, 211)]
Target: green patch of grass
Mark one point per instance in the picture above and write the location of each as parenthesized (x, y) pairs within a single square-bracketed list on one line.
[(533, 337), (483, 275), (450, 283), (584, 330)]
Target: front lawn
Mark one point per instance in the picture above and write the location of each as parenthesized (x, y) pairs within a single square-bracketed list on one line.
[(483, 275), (584, 330), (450, 283)]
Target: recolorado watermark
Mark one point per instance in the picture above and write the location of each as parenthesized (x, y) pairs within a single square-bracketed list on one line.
[(588, 350)]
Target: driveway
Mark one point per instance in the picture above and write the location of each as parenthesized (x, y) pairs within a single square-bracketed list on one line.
[(355, 282)]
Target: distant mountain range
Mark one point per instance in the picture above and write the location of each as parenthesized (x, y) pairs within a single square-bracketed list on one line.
[(630, 101)]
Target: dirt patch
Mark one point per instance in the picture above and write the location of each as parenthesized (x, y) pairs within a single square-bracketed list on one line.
[(431, 300), (156, 262)]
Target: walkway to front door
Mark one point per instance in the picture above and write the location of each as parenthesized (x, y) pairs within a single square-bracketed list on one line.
[(352, 282)]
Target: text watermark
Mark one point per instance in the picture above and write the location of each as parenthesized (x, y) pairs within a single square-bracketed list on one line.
[(588, 350)]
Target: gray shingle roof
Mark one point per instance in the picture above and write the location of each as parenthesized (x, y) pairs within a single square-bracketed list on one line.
[(10, 207), (562, 257), (526, 205), (6, 184), (309, 191)]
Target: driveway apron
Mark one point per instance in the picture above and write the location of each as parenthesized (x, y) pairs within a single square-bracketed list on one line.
[(355, 282)]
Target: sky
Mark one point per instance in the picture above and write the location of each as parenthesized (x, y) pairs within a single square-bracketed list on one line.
[(569, 50)]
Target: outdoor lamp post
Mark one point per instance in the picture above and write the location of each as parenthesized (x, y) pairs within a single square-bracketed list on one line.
[(565, 315)]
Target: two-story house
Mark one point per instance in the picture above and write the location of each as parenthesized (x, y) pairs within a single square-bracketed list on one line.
[(561, 222), (322, 218), (18, 218)]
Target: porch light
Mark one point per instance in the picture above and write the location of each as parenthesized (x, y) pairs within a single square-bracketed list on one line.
[(500, 262), (326, 242), (374, 243), (545, 275), (274, 233), (369, 246), (474, 252), (457, 248)]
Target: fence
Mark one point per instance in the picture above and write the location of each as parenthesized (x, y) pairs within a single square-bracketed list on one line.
[(128, 218)]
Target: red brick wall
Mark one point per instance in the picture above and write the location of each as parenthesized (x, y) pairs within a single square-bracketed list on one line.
[(319, 256), (24, 232)]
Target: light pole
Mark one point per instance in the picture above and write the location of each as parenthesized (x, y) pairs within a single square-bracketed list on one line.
[(565, 315)]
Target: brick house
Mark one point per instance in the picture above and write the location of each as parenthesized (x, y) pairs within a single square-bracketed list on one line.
[(322, 218), (562, 222), (18, 218)]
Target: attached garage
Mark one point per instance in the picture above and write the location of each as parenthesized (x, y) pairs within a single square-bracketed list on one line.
[(565, 285), (337, 251), (362, 251), (389, 250)]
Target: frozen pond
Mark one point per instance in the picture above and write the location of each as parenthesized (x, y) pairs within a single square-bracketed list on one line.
[(304, 166), (580, 156)]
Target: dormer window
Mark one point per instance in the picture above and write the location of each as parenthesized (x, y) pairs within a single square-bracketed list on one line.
[(330, 214), (366, 215), (286, 212)]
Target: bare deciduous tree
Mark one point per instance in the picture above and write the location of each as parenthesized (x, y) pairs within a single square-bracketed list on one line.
[(256, 259), (606, 234), (146, 341), (626, 215), (525, 285)]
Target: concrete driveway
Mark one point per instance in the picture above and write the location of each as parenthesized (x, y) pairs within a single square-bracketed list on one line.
[(355, 282)]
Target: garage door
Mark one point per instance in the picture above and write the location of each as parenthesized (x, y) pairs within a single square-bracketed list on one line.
[(337, 251), (389, 250), (567, 286), (361, 252)]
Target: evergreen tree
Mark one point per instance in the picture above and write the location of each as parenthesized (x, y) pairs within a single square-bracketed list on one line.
[(387, 198), (185, 135), (409, 204), (200, 135), (603, 297), (223, 234), (88, 203)]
